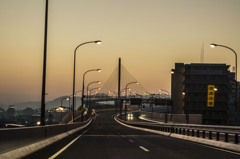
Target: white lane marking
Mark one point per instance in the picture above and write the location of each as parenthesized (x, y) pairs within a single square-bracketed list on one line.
[(130, 140), (123, 135), (143, 148), (64, 148)]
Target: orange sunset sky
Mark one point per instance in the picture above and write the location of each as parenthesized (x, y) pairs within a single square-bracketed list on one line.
[(149, 35)]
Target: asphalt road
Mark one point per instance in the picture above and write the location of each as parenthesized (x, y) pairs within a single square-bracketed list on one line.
[(106, 139)]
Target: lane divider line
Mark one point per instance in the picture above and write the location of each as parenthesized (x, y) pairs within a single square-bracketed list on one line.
[(130, 140), (144, 149), (65, 147)]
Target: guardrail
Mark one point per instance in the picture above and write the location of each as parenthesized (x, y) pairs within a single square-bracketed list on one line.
[(13, 138), (220, 133)]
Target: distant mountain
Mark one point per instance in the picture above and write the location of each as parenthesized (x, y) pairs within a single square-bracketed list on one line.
[(49, 105)]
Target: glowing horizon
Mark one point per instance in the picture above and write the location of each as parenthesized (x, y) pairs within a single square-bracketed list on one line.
[(149, 36)]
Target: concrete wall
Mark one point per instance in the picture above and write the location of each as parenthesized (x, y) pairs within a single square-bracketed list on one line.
[(12, 138)]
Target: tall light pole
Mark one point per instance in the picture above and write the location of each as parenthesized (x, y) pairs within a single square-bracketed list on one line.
[(212, 45), (98, 70), (90, 93), (74, 65), (44, 68), (61, 109), (88, 88), (126, 88)]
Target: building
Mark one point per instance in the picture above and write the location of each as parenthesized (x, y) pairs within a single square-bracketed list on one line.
[(190, 92)]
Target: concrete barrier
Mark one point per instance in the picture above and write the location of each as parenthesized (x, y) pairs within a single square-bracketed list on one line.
[(173, 118), (13, 138), (172, 130)]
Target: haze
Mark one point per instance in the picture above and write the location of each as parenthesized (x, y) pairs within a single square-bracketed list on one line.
[(149, 35)]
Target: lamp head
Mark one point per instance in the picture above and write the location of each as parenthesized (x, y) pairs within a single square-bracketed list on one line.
[(172, 72), (61, 108), (212, 45), (183, 93), (99, 70), (99, 82), (98, 42), (137, 83)]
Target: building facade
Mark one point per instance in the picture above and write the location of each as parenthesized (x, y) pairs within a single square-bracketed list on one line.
[(190, 92)]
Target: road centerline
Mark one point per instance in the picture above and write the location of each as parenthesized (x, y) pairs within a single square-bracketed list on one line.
[(65, 147)]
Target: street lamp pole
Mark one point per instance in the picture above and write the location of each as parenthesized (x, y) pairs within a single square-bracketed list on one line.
[(98, 70), (90, 92), (88, 88), (44, 68), (212, 45), (126, 97), (74, 69)]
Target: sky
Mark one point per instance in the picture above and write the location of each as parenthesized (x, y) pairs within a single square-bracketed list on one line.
[(150, 36)]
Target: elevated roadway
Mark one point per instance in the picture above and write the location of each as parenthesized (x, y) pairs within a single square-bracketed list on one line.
[(107, 139)]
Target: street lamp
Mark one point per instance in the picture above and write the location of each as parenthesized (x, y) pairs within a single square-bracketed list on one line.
[(212, 45), (98, 70), (90, 93), (61, 109), (74, 65), (98, 82), (126, 88)]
